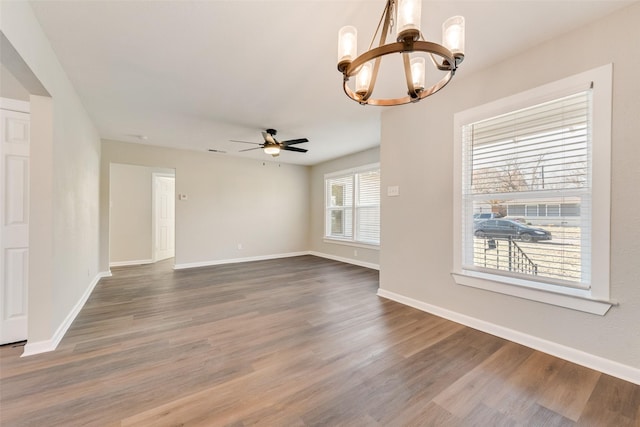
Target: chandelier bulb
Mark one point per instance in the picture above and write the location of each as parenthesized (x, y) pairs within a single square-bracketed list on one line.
[(347, 46), (453, 35), (408, 19), (363, 78), (418, 73)]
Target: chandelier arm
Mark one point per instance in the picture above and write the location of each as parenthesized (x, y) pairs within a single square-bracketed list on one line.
[(383, 39), (385, 17), (413, 94), (433, 61), (387, 102), (399, 47)]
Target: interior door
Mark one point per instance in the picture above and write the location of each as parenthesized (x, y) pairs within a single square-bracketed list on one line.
[(14, 220), (164, 216)]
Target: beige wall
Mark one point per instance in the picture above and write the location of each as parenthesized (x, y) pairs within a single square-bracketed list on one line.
[(65, 162), (417, 228), (10, 87), (367, 257), (261, 205), (130, 202)]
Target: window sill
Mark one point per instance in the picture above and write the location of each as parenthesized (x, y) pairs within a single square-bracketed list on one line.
[(352, 243), (574, 299)]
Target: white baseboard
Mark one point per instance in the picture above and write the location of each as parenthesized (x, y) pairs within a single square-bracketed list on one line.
[(610, 367), (51, 344), (236, 260), (134, 262), (346, 260), (276, 256)]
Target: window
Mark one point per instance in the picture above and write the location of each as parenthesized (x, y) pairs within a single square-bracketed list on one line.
[(353, 205), (541, 158)]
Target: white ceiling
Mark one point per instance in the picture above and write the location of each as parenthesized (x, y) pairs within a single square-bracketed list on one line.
[(196, 74)]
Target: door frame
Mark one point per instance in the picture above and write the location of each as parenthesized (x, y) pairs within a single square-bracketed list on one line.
[(23, 107)]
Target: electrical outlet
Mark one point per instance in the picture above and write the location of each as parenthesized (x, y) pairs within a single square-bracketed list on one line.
[(355, 252), (239, 246)]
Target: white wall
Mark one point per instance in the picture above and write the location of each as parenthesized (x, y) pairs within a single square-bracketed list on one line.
[(366, 257), (65, 164), (130, 231), (417, 229), (261, 205)]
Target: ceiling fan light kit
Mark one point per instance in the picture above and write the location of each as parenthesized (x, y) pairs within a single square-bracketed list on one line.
[(445, 57), (273, 149)]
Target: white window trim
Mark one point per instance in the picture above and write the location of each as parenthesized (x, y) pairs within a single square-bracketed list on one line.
[(351, 241), (595, 300)]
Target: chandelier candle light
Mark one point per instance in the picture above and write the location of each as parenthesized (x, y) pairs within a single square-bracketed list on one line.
[(445, 57)]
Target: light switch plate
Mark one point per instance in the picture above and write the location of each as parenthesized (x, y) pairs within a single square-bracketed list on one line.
[(393, 190)]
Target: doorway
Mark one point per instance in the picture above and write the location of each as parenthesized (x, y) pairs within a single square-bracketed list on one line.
[(141, 214)]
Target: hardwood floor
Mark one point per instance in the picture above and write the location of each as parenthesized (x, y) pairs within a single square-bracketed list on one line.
[(293, 342)]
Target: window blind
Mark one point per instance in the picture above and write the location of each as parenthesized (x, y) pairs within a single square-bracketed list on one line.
[(368, 207), (353, 206), (533, 167)]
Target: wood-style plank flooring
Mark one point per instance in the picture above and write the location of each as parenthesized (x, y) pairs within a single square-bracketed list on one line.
[(299, 341)]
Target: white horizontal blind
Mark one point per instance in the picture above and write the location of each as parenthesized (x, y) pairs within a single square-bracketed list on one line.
[(533, 166), (539, 148), (368, 207)]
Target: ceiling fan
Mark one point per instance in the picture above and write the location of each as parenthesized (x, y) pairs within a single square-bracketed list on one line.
[(272, 146)]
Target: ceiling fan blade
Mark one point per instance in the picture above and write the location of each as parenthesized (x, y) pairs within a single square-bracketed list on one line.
[(249, 149), (245, 142), (294, 141), (299, 150), (268, 138), (213, 150)]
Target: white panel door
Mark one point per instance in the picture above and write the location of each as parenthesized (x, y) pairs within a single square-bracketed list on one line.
[(14, 220), (164, 217)]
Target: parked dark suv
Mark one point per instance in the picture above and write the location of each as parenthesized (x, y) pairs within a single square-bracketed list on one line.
[(505, 228)]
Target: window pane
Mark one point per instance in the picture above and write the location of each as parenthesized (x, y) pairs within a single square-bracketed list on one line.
[(542, 210), (337, 195), (570, 209), (340, 191), (337, 223), (512, 161), (546, 247), (515, 210), (553, 210)]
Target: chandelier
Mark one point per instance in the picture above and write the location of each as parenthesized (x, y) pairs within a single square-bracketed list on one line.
[(445, 57)]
